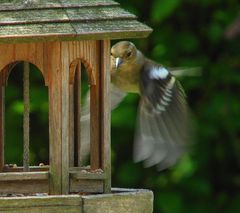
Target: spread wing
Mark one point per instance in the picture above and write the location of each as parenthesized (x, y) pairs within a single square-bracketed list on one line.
[(116, 97), (162, 130)]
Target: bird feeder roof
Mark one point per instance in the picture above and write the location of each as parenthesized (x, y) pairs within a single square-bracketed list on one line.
[(59, 20)]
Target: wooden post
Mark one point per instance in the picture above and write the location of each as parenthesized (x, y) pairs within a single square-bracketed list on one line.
[(77, 114), (65, 116), (53, 59), (2, 118), (105, 113), (26, 120), (95, 140), (71, 126)]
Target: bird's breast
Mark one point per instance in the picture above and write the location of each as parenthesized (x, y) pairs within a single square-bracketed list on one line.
[(126, 81)]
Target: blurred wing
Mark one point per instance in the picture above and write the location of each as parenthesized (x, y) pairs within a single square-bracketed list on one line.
[(183, 72), (116, 97), (162, 130)]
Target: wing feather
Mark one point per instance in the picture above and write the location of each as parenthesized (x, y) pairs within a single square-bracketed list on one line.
[(161, 135)]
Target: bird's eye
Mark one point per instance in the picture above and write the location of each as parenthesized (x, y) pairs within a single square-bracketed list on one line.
[(129, 54)]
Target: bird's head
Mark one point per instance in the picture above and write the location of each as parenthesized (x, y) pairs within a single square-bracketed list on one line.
[(123, 54)]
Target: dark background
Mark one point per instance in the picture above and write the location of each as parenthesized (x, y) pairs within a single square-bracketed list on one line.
[(187, 33)]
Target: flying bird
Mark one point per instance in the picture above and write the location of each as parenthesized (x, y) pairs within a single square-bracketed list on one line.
[(162, 131)]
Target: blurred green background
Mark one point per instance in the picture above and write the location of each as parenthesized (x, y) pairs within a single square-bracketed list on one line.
[(186, 33)]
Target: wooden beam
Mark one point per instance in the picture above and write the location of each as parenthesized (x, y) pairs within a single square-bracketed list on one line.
[(26, 116), (2, 126), (105, 113), (71, 126), (95, 140), (87, 175), (24, 186), (65, 116), (53, 53), (77, 114), (21, 176), (86, 186), (20, 169), (46, 204)]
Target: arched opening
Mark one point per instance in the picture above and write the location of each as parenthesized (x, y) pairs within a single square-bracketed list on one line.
[(83, 113), (14, 127)]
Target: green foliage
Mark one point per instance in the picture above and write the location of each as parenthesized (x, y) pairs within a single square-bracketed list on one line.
[(190, 33), (186, 33)]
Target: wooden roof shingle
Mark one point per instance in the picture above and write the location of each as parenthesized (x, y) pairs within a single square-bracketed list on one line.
[(56, 20)]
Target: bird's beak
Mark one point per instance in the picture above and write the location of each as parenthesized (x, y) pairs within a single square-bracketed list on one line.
[(118, 62)]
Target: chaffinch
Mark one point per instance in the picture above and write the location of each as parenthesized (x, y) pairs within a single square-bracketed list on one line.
[(162, 130)]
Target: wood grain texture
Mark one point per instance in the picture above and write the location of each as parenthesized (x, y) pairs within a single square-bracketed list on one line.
[(20, 169), (61, 16), (20, 176), (86, 186), (65, 116), (31, 52), (24, 186), (105, 113), (67, 20), (2, 131), (43, 209), (87, 3), (55, 116), (16, 5), (87, 175), (115, 29), (135, 201), (43, 204), (121, 201), (72, 151), (77, 115), (95, 140)]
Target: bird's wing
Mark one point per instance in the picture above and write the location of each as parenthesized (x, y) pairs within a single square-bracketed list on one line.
[(116, 96), (186, 71), (162, 129)]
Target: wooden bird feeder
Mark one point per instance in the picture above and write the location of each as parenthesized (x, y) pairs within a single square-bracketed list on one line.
[(60, 37)]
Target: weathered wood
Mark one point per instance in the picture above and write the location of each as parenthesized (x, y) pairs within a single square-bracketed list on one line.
[(2, 122), (24, 186), (85, 185), (55, 117), (87, 175), (65, 116), (87, 3), (105, 113), (121, 201), (6, 168), (109, 29), (135, 201), (31, 52), (95, 140), (77, 114), (16, 5), (97, 14), (61, 16), (20, 176), (71, 126), (44, 209), (46, 204), (26, 116), (19, 5), (33, 16)]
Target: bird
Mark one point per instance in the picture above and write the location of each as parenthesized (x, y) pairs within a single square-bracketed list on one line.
[(162, 130)]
